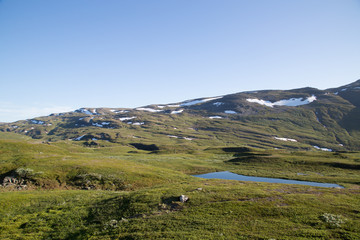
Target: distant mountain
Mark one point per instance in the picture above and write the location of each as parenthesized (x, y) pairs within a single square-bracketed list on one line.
[(305, 118)]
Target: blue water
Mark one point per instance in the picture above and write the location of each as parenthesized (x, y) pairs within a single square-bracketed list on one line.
[(232, 176)]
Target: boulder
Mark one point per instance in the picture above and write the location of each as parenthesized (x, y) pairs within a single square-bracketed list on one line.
[(184, 198)]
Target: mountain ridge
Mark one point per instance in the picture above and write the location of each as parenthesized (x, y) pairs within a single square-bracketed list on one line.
[(316, 119)]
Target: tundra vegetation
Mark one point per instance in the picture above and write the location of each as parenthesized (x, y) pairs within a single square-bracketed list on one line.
[(65, 190), (127, 173)]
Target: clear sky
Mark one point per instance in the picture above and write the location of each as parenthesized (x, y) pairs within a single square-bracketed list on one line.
[(61, 55)]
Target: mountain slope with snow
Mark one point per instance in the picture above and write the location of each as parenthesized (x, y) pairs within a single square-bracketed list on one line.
[(327, 119)]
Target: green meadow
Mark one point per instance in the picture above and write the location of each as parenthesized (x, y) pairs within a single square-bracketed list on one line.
[(115, 191)]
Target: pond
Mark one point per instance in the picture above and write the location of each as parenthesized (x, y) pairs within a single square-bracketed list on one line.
[(232, 176)]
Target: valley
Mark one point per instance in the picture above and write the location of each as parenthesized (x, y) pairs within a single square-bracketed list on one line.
[(118, 173)]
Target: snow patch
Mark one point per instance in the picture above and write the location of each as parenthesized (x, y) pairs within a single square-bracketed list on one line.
[(33, 121), (86, 111), (218, 104), (186, 138), (172, 136), (118, 111), (193, 102), (177, 112), (323, 149), (260, 101), (215, 117), (148, 110), (138, 123), (79, 138), (100, 124), (230, 112), (292, 102), (285, 139), (126, 118)]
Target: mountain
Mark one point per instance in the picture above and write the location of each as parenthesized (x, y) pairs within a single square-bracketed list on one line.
[(304, 119)]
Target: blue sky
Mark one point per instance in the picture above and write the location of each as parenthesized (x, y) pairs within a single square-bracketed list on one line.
[(61, 55)]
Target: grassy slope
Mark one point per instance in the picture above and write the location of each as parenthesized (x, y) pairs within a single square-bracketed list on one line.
[(328, 123), (220, 210), (150, 208), (143, 168)]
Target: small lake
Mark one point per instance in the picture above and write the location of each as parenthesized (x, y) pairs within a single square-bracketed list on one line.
[(232, 176)]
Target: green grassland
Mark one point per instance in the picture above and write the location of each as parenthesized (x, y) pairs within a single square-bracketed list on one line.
[(113, 190), (216, 210)]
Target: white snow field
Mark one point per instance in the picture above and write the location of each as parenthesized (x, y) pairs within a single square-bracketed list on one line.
[(193, 102), (292, 102)]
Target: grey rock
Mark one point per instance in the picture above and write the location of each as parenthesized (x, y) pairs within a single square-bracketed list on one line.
[(184, 198)]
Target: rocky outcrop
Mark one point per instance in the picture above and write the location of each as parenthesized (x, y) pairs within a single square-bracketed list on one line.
[(18, 179), (14, 183)]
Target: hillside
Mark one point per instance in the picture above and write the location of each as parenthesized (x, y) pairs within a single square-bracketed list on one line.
[(101, 173), (303, 119), (64, 190)]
